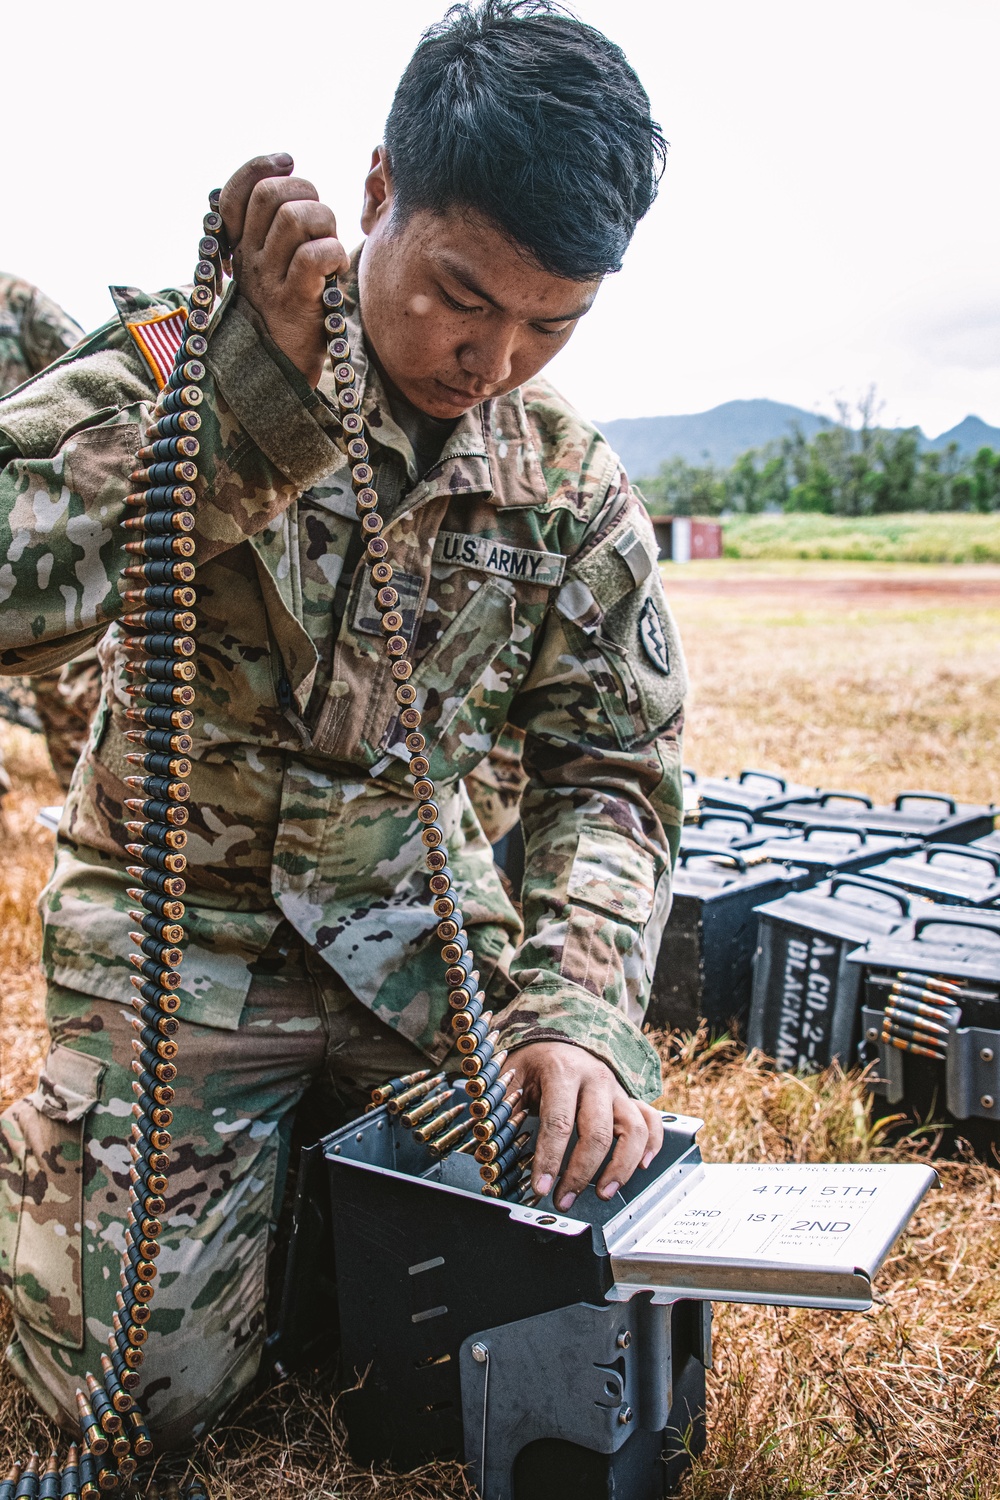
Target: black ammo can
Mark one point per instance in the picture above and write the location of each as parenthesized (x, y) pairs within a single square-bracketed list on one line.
[(462, 1318), (954, 874), (716, 826), (703, 971), (805, 1009), (824, 848), (920, 815), (753, 791), (949, 1075)]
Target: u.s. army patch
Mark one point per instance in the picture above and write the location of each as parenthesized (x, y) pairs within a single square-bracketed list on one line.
[(158, 339), (653, 640), (491, 556)]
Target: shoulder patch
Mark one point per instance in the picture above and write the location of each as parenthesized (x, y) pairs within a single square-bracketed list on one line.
[(654, 642), (491, 556), (158, 339)]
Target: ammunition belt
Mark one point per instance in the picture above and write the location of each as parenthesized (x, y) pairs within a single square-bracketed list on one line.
[(161, 658)]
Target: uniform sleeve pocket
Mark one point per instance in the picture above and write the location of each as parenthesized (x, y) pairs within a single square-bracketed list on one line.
[(41, 1195), (615, 876)]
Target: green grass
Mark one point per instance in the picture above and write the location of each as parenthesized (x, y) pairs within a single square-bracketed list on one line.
[(912, 538)]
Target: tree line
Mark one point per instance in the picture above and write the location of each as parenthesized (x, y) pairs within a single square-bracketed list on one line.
[(846, 469)]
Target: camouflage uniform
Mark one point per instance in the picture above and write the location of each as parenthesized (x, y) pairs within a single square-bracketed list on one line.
[(529, 588), (34, 331)]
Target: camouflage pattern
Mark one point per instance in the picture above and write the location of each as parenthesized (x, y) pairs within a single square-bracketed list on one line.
[(34, 331), (497, 784), (65, 702), (302, 803), (63, 1156)]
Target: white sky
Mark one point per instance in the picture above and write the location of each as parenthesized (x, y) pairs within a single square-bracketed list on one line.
[(829, 216)]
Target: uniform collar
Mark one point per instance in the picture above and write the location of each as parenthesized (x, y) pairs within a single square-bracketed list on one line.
[(491, 451)]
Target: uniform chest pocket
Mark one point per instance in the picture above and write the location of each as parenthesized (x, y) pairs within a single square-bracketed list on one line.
[(453, 671), (41, 1195)]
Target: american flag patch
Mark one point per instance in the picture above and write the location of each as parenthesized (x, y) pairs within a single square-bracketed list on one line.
[(159, 339)]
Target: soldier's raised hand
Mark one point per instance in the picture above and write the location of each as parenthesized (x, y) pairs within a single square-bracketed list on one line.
[(285, 245)]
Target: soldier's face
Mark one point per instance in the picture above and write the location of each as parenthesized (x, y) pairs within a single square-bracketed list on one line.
[(453, 311)]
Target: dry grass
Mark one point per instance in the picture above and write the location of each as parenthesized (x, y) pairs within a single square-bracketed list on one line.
[(918, 537), (846, 677)]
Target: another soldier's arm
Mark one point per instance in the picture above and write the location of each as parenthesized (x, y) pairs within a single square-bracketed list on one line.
[(46, 332), (601, 711), (68, 446)]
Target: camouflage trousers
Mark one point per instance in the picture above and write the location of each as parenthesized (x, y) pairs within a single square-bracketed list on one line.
[(64, 1166)]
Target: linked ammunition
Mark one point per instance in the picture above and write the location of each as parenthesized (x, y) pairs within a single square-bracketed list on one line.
[(423, 1111), (917, 1021), (51, 1485), (101, 1405), (27, 1485), (487, 1127), (71, 1475), (196, 1491), (93, 1435), (476, 1034), (944, 986), (485, 1079), (88, 1475), (927, 997), (440, 1122), (907, 1006), (172, 1490), (484, 1057), (397, 1085), (501, 1164), (120, 1399), (442, 1144), (8, 1485), (491, 1149), (107, 1479), (398, 1102), (142, 1443), (487, 1102), (902, 1045), (464, 1020), (126, 1468)]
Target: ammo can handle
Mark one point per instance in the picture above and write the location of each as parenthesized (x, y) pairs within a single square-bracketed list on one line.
[(868, 884), (946, 921), (779, 781), (726, 815), (721, 852), (949, 802), (846, 797), (859, 833), (964, 849)]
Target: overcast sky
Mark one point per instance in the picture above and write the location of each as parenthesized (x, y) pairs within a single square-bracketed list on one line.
[(829, 215)]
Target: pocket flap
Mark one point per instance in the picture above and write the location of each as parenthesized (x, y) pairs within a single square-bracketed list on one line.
[(69, 1084), (614, 875)]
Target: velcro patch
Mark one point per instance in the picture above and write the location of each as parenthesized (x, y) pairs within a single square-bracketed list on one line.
[(654, 642), (158, 339), (491, 556)]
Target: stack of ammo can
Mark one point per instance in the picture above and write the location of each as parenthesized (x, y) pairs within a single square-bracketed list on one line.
[(823, 927)]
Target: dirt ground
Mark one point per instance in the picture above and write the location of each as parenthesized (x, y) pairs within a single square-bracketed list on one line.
[(861, 677)]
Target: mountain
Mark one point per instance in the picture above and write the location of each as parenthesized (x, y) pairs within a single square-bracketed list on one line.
[(970, 435), (717, 436), (720, 435)]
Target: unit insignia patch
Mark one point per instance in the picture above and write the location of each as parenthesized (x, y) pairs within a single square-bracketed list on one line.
[(652, 637)]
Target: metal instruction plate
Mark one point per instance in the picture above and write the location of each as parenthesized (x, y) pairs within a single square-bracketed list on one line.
[(784, 1234)]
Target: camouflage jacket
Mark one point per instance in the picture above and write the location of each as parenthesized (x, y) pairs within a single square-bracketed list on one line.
[(531, 593), (33, 331)]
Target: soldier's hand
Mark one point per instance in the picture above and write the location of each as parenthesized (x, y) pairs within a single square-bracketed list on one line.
[(285, 245), (569, 1087)]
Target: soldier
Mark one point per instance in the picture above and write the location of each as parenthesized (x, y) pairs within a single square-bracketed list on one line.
[(519, 154), (34, 332)]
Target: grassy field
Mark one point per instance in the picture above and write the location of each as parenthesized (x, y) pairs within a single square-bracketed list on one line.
[(917, 538), (865, 677)]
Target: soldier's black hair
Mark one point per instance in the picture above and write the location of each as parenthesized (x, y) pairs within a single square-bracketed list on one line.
[(517, 111)]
